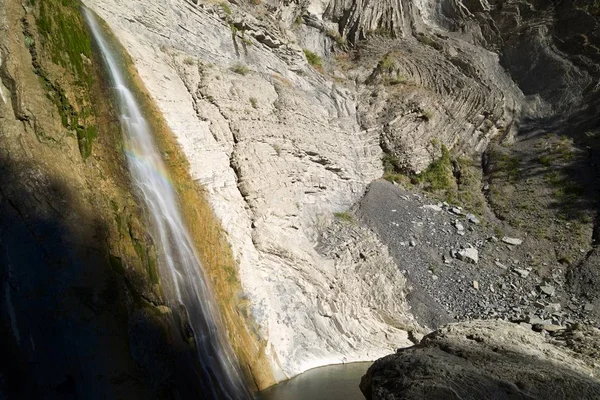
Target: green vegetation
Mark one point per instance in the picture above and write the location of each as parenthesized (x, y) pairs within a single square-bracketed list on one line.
[(29, 42), (345, 216), (398, 80), (438, 176), (452, 179), (387, 63), (339, 39), (188, 61), (64, 40), (312, 58), (240, 69), (253, 102), (427, 115), (545, 160), (226, 8), (60, 23), (421, 37), (593, 7), (507, 166)]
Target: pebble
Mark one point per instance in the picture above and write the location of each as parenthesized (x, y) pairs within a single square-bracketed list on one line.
[(433, 207), (522, 272), (456, 210), (476, 285), (588, 307), (470, 255), (512, 241), (548, 290), (553, 308), (473, 219), (500, 265), (412, 243), (553, 328)]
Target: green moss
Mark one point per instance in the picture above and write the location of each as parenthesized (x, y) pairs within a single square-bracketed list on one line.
[(65, 41), (116, 264)]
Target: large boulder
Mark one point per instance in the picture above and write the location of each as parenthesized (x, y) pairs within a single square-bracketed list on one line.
[(489, 360)]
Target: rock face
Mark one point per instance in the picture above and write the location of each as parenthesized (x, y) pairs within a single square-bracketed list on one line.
[(279, 149), (82, 313), (488, 360)]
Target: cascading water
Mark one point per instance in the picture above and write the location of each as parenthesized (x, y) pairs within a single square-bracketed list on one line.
[(221, 378)]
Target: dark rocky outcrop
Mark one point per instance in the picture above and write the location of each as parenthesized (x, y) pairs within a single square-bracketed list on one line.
[(487, 360)]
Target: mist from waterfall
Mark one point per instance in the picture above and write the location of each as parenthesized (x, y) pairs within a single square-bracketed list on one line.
[(179, 264)]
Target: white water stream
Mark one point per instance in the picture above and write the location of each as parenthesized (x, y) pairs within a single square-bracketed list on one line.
[(179, 263)]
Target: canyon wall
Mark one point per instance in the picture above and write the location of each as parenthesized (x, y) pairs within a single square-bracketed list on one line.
[(285, 110)]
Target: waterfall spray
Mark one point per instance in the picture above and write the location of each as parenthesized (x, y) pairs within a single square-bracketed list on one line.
[(179, 263)]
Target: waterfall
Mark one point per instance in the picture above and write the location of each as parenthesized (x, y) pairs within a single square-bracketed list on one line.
[(179, 264)]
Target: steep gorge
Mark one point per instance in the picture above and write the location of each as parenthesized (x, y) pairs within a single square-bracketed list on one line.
[(277, 117)]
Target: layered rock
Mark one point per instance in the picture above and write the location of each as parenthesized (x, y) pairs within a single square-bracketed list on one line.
[(488, 359), (279, 149)]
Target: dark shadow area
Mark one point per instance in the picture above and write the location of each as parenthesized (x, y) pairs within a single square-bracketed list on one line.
[(71, 324), (472, 367), (553, 53)]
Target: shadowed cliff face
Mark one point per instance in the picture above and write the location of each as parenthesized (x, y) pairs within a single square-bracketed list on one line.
[(63, 305), (82, 314)]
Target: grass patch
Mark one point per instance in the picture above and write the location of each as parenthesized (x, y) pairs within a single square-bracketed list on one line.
[(545, 160), (226, 8), (438, 176), (337, 38), (240, 69), (253, 102), (345, 216), (313, 58)]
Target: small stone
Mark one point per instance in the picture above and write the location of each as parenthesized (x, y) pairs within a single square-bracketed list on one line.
[(526, 325), (553, 328), (512, 241), (500, 265), (459, 226), (523, 273), (476, 285), (412, 243), (473, 219), (433, 207), (588, 307), (539, 304), (548, 290), (553, 308), (456, 211), (470, 255), (535, 321)]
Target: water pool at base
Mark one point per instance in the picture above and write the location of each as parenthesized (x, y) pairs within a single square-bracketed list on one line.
[(332, 382)]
